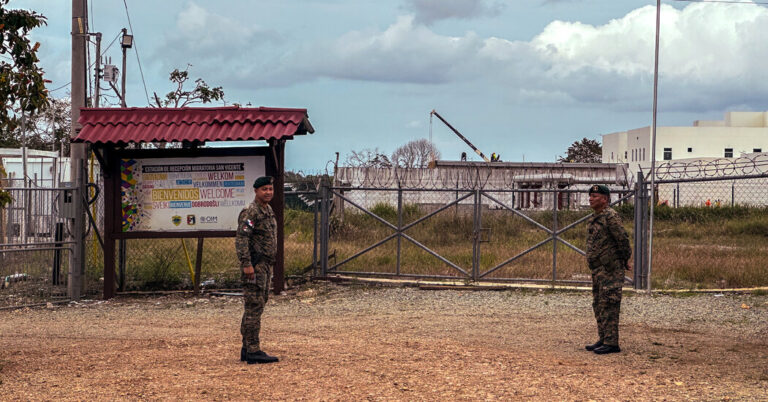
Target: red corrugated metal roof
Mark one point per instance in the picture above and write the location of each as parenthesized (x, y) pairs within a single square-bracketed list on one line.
[(113, 125)]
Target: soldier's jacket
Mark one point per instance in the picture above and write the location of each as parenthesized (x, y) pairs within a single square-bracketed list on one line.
[(607, 241), (256, 238)]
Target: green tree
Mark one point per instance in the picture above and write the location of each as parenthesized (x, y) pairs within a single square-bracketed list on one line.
[(48, 129), (22, 86), (180, 97), (584, 151), (21, 80)]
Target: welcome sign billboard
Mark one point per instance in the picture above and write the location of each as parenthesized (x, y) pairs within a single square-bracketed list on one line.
[(186, 194)]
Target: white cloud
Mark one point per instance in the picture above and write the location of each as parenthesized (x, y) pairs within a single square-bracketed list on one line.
[(212, 39), (414, 124), (429, 11), (405, 52), (712, 56)]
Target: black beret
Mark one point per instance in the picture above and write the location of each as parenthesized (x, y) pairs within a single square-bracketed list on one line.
[(600, 189), (263, 181)]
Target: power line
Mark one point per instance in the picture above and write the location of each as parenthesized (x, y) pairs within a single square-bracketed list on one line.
[(725, 1), (61, 87), (111, 43), (136, 49)]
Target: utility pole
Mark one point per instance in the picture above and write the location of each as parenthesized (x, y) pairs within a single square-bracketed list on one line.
[(122, 76), (97, 78), (77, 153)]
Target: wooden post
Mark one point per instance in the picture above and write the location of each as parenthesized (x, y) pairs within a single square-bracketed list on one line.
[(278, 205), (198, 264), (111, 184)]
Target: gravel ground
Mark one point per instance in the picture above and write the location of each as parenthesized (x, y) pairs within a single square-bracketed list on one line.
[(366, 343)]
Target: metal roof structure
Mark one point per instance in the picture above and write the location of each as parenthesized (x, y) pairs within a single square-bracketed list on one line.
[(125, 125)]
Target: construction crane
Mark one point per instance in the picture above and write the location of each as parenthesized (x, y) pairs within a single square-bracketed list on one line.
[(474, 148)]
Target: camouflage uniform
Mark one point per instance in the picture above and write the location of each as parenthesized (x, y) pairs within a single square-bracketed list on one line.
[(607, 254), (255, 243)]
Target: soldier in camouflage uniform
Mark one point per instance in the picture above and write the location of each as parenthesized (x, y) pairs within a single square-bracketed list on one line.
[(608, 254), (256, 244)]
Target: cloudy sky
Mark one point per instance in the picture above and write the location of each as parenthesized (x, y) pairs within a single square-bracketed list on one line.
[(523, 78)]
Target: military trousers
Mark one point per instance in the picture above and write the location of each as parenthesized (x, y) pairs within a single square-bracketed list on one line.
[(255, 296), (607, 281)]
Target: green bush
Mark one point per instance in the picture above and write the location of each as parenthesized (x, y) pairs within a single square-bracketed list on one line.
[(385, 211)]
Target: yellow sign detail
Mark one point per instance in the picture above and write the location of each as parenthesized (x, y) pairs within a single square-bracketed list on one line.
[(155, 176)]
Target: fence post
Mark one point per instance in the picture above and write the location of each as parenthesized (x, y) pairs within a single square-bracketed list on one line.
[(399, 225), (733, 194), (58, 238), (554, 237), (639, 233), (122, 254), (476, 236), (315, 210), (324, 228)]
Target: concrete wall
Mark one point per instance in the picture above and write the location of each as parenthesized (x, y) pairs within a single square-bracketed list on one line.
[(447, 183)]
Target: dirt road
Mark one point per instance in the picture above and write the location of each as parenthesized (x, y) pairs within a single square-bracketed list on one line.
[(359, 343)]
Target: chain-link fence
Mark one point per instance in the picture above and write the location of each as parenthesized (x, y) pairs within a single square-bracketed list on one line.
[(152, 264), (469, 224), (711, 224), (710, 228), (462, 224), (34, 250)]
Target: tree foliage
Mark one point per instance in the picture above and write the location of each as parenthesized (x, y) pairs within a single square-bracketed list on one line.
[(584, 151), (21, 80), (180, 97), (415, 154), (368, 158), (48, 129)]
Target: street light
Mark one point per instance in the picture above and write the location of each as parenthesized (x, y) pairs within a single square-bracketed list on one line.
[(127, 41)]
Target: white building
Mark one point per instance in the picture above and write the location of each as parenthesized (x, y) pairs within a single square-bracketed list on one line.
[(44, 168), (738, 134)]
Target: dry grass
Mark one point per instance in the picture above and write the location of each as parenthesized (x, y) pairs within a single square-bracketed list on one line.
[(693, 248)]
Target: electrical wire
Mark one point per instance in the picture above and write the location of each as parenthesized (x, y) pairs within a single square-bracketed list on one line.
[(61, 87), (136, 49), (111, 43), (725, 1), (90, 16)]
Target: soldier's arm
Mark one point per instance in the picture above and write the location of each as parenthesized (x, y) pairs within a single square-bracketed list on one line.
[(620, 236), (242, 246)]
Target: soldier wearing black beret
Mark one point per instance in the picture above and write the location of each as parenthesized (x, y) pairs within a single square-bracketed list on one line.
[(256, 245), (608, 254)]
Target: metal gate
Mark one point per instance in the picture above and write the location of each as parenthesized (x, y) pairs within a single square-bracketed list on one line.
[(34, 252), (502, 234)]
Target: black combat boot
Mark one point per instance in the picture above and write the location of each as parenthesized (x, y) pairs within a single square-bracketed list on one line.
[(243, 352), (594, 345), (605, 349), (260, 358)]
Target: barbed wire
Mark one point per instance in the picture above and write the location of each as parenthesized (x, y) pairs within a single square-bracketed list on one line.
[(751, 165), (483, 177)]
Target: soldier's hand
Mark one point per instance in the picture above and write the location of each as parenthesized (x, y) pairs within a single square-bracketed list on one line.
[(249, 274)]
